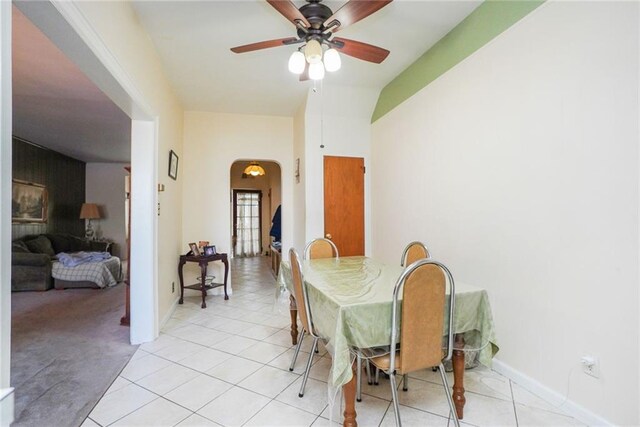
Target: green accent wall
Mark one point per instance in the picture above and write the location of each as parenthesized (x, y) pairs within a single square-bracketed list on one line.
[(487, 21)]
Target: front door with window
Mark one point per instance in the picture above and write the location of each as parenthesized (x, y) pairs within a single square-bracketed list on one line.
[(247, 223)]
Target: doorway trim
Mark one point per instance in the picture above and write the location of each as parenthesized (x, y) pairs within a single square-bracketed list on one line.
[(6, 391)]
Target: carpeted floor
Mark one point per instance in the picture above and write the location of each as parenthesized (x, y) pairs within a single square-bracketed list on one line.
[(67, 347)]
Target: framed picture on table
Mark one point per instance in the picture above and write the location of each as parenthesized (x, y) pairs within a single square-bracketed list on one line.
[(209, 250), (194, 249)]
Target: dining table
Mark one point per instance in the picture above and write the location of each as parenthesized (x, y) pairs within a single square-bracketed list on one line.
[(350, 299)]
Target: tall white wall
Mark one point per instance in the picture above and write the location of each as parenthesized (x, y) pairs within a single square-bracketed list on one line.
[(131, 48), (519, 169), (299, 198), (213, 142), (105, 187), (340, 119)]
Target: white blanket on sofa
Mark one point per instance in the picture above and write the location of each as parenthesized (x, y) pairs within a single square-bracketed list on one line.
[(103, 273)]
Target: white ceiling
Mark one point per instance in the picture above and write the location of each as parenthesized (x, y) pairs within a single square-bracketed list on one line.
[(57, 106), (193, 39)]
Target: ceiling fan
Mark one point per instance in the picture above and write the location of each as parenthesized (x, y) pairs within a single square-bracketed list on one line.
[(316, 24)]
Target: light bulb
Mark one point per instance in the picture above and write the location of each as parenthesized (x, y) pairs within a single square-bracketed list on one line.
[(332, 61), (313, 52), (297, 62), (316, 71)]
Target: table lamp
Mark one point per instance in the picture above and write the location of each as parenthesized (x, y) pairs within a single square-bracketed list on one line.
[(89, 211)]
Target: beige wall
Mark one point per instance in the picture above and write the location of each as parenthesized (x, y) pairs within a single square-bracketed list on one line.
[(269, 184), (213, 142), (133, 50), (519, 169)]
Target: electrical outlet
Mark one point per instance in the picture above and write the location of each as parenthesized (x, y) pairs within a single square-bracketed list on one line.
[(173, 287), (590, 366)]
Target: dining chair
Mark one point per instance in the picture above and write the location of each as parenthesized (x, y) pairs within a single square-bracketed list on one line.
[(304, 311), (422, 289), (413, 252), (320, 248)]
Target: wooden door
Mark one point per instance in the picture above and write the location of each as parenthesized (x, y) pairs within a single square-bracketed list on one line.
[(344, 203)]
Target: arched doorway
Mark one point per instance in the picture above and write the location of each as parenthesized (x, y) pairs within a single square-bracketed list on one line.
[(255, 199)]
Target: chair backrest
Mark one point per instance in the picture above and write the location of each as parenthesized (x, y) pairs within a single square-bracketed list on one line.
[(320, 248), (300, 292), (413, 252), (423, 289)]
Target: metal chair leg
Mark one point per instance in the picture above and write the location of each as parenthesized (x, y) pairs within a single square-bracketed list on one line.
[(359, 378), (306, 371), (452, 407), (394, 394), (295, 355), (367, 367), (376, 381), (405, 385)]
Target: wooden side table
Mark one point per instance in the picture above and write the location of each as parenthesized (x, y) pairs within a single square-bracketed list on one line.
[(203, 261)]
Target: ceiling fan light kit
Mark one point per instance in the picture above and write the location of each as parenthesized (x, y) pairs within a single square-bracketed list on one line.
[(316, 71), (315, 25), (332, 61), (297, 62), (313, 52)]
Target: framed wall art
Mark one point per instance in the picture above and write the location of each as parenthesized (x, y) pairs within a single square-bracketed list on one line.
[(28, 202), (173, 165)]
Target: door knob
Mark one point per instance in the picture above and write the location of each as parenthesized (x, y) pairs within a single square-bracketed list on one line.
[(328, 236)]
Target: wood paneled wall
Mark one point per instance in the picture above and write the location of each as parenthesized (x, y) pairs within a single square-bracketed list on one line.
[(64, 178)]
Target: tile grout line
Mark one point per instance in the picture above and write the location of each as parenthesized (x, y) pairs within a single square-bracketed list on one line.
[(513, 401)]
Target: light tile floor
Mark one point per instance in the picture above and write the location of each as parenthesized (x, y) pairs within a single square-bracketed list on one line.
[(228, 365)]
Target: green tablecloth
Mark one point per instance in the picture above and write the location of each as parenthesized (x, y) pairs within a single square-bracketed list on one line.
[(350, 300)]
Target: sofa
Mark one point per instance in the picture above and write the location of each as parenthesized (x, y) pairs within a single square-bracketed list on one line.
[(31, 258)]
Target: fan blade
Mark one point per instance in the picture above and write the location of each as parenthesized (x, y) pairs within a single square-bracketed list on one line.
[(262, 45), (305, 74), (354, 11), (362, 51), (289, 11)]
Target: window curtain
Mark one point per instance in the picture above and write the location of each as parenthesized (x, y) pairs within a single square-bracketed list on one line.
[(248, 225)]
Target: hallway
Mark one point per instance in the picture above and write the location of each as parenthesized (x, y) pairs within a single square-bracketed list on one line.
[(228, 365)]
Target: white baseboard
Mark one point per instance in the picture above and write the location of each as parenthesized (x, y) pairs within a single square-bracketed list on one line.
[(551, 396), (167, 316), (6, 406)]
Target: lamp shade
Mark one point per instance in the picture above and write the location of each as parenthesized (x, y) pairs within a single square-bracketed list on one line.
[(89, 211), (313, 52), (316, 71), (332, 60), (254, 169), (297, 62)]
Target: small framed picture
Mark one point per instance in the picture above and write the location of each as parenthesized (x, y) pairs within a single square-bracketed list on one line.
[(209, 250), (173, 165), (194, 249)]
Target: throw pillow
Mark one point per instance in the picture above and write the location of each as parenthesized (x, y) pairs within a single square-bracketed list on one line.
[(40, 245), (19, 246), (60, 242)]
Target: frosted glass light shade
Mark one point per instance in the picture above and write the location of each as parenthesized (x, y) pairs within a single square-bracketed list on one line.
[(297, 62), (316, 71), (332, 61), (313, 52)]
